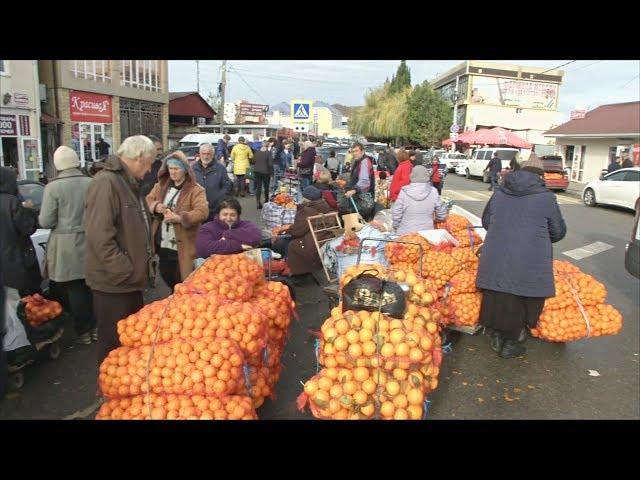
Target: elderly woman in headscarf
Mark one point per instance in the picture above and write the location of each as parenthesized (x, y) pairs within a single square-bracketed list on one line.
[(515, 272), (179, 205), (306, 163)]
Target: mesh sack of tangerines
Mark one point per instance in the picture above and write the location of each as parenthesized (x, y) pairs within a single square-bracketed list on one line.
[(578, 310)]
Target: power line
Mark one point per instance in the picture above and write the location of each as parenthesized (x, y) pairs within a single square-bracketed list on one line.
[(628, 82), (555, 68), (233, 70), (289, 77), (584, 66)]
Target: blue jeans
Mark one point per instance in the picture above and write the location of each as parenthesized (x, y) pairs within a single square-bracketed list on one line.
[(494, 180), (304, 182)]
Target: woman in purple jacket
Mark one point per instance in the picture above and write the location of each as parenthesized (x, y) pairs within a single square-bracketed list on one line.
[(226, 233)]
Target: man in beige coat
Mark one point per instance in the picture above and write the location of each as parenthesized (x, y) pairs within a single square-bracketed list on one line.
[(62, 211), (119, 250)]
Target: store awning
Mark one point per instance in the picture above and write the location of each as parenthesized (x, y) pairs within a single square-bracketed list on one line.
[(47, 119)]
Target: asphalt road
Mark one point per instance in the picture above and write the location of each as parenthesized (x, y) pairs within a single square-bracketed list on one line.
[(551, 382)]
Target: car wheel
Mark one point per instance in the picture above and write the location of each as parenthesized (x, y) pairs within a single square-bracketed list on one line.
[(589, 198), (467, 174)]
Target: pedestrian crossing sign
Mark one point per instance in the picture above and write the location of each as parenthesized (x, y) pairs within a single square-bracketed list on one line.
[(301, 111)]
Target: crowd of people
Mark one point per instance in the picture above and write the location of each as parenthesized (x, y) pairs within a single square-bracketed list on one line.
[(146, 210)]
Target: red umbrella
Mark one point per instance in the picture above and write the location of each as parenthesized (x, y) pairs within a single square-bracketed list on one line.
[(462, 138), (497, 136)]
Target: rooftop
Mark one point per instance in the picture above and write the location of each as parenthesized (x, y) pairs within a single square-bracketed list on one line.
[(606, 120)]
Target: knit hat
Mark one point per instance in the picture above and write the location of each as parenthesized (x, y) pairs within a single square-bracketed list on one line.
[(534, 164), (419, 174), (311, 193), (65, 158)]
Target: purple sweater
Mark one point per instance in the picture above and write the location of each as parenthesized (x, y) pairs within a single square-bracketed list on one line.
[(208, 241)]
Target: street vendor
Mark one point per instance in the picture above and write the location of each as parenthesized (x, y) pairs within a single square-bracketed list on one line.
[(325, 185), (227, 234), (417, 204), (298, 246)]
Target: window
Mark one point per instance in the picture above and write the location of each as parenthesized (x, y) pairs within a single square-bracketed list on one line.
[(142, 74), (4, 67), (506, 154), (616, 177), (97, 70), (632, 176)]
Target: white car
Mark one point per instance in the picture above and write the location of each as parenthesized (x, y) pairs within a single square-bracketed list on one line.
[(481, 157), (620, 188), (451, 160), (461, 168)]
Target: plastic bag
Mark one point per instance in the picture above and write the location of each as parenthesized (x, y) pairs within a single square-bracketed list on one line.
[(178, 407), (367, 292)]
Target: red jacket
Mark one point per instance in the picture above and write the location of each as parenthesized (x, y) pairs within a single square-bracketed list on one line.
[(401, 177)]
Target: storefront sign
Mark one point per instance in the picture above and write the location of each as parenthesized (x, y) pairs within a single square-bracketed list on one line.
[(8, 125), (90, 107), (253, 109), (25, 127), (21, 99)]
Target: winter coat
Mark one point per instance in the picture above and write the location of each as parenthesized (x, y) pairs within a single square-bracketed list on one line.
[(494, 165), (222, 151), (302, 254), (613, 166), (307, 161), (241, 154), (329, 195), (193, 209), (216, 183), (442, 170), (401, 177), (419, 158), (209, 240), (522, 220), (117, 230), (415, 208), (263, 162), (17, 224), (62, 211), (355, 176), (390, 162)]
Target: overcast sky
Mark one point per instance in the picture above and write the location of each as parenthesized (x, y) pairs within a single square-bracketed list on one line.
[(588, 83)]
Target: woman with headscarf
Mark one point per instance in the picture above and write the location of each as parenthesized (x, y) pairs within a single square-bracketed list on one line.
[(417, 204), (179, 206), (306, 163), (515, 272)]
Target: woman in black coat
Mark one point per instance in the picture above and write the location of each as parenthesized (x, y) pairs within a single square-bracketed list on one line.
[(515, 271), (18, 260)]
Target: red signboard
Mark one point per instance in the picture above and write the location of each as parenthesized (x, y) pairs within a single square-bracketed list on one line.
[(25, 127), (90, 107), (8, 125)]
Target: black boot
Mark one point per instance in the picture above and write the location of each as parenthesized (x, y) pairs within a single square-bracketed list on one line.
[(496, 341), (259, 206), (512, 349)]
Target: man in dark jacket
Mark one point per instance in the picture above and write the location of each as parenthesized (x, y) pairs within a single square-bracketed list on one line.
[(119, 250), (494, 168), (515, 271), (390, 161), (222, 150), (262, 167), (213, 177), (103, 148), (614, 165), (626, 163), (151, 177), (362, 182)]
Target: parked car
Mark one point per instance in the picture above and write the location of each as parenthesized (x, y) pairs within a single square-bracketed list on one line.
[(31, 190), (191, 152), (555, 176), (451, 160), (620, 188), (461, 167), (632, 249), (480, 159)]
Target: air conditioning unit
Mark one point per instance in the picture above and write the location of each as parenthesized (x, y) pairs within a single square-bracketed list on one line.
[(43, 93)]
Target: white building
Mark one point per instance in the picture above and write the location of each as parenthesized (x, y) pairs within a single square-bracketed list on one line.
[(20, 138), (325, 119)]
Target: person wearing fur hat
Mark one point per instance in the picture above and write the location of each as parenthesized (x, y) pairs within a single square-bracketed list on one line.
[(179, 206), (417, 204), (515, 272), (62, 211), (300, 250)]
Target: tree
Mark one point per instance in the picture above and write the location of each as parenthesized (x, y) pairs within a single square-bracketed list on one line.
[(401, 79), (428, 116)]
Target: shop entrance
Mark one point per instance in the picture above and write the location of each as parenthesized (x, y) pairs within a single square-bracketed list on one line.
[(85, 139), (9, 152)]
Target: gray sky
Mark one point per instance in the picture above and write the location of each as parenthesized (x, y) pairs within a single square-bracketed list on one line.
[(586, 82)]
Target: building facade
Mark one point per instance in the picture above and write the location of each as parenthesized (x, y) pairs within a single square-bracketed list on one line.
[(20, 136), (325, 119), (188, 111), (108, 99), (518, 98), (588, 143)]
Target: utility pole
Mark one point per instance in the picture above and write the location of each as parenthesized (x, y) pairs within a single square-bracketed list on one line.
[(198, 74), (223, 86), (455, 97)]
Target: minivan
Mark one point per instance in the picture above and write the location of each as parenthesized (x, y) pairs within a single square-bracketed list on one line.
[(480, 159)]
